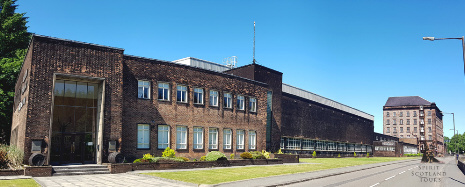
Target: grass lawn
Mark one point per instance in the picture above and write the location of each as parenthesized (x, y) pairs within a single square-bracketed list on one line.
[(216, 176), (19, 182)]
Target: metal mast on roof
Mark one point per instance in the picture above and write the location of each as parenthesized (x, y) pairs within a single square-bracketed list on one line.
[(253, 62)]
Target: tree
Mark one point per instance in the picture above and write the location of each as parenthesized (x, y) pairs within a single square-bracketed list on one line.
[(14, 40)]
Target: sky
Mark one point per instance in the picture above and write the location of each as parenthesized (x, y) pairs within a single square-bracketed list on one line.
[(358, 53)]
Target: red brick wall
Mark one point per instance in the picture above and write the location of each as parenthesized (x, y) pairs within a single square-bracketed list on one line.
[(172, 113)]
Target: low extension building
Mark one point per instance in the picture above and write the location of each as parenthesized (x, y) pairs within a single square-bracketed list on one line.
[(414, 117), (77, 102)]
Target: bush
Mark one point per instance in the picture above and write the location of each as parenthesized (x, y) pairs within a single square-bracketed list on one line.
[(3, 159), (202, 158), (368, 155), (257, 155), (166, 160), (147, 156), (339, 155), (231, 156), (314, 154), (355, 154), (414, 155), (10, 157), (246, 155), (266, 154), (215, 155), (279, 152), (137, 160), (169, 153), (183, 158)]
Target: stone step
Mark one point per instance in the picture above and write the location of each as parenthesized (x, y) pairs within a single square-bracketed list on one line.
[(80, 173), (80, 170)]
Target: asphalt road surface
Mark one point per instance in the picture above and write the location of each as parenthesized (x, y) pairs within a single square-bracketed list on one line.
[(411, 174)]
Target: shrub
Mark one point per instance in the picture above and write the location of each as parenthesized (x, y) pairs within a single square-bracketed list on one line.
[(137, 160), (183, 158), (3, 159), (257, 155), (195, 160), (231, 156), (166, 160), (339, 155), (314, 154), (15, 157), (215, 155), (355, 154), (246, 155), (202, 158), (169, 153), (266, 154), (368, 155), (279, 152), (147, 156)]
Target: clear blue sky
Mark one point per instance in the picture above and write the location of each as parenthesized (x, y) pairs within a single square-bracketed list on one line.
[(358, 53)]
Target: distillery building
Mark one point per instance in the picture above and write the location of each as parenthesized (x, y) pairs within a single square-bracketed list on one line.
[(415, 120), (77, 102)]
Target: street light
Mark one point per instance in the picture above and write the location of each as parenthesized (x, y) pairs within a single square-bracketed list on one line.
[(453, 116), (463, 45)]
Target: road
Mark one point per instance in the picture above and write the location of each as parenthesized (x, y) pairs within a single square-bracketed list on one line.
[(411, 173)]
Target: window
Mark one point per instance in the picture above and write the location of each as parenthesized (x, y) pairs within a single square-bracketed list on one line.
[(402, 129), (408, 121), (213, 138), (408, 129), (408, 113), (213, 98), (387, 122), (401, 114), (414, 113), (198, 96), (198, 138), (252, 104), (320, 145), (252, 140), (394, 114), (143, 136), (401, 136), (422, 121), (181, 94), (163, 136), (414, 121), (181, 137), (331, 146), (227, 100), (387, 114), (240, 139), (164, 91), (401, 121), (293, 143), (415, 129), (394, 130), (430, 137), (144, 90), (388, 130), (240, 102), (408, 135), (394, 121), (429, 129), (281, 145), (429, 113), (227, 139), (308, 144), (429, 121)]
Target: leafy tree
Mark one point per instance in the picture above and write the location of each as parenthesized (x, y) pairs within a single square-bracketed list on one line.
[(456, 142), (14, 40)]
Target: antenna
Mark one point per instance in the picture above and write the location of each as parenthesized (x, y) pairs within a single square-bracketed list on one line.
[(253, 61), (230, 61)]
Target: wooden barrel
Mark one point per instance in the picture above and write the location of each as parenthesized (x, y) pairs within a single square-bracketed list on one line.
[(116, 157)]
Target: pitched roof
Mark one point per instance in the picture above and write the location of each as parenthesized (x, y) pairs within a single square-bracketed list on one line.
[(406, 101)]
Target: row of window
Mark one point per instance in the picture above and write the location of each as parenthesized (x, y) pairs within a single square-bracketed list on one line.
[(181, 96), (408, 114), (401, 121), (388, 130), (143, 137), (430, 137), (308, 144)]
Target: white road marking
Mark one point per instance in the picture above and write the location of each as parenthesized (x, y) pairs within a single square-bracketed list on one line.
[(402, 172), (374, 184), (389, 178)]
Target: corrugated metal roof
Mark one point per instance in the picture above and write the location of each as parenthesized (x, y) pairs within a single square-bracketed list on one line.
[(195, 62), (325, 101)]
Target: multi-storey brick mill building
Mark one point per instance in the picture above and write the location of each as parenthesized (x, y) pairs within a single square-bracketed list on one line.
[(78, 102), (414, 117)]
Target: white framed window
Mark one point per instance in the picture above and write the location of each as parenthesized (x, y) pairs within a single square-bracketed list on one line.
[(281, 144), (293, 143), (181, 137), (394, 121), (198, 138), (227, 100), (402, 129), (240, 102), (213, 98), (387, 122), (143, 136), (394, 114), (240, 139), (401, 122), (401, 114), (227, 139), (213, 138), (252, 140), (429, 121), (198, 96), (320, 145), (387, 114), (332, 146), (414, 113), (308, 144), (408, 121), (164, 91), (414, 121), (388, 130), (408, 113), (408, 135), (429, 113), (163, 136), (181, 94), (143, 89), (429, 129), (408, 129), (252, 104), (415, 129)]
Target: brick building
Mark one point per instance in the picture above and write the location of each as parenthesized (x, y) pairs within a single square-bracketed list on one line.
[(78, 102), (414, 117)]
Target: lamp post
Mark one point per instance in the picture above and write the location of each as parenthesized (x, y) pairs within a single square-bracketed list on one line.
[(463, 45)]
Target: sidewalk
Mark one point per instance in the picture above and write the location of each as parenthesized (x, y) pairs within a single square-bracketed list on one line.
[(293, 178)]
